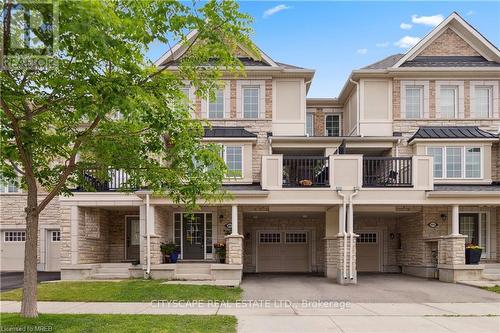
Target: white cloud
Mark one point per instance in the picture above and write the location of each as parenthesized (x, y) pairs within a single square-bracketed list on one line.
[(383, 44), (407, 41), (470, 13), (405, 26), (274, 10), (362, 51), (432, 21)]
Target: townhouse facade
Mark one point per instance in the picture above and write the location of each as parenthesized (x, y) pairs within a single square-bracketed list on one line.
[(395, 175)]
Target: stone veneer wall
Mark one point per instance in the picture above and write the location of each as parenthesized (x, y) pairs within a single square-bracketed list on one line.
[(12, 213), (315, 226), (116, 222), (93, 247), (386, 226)]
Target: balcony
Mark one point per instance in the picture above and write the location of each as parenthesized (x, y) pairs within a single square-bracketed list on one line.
[(387, 171), (99, 180), (350, 170), (305, 171)]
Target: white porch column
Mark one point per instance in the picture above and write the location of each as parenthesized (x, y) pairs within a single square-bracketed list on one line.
[(455, 217), (234, 220)]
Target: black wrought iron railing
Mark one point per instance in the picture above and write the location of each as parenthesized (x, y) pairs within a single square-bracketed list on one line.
[(387, 171), (305, 171), (104, 180)]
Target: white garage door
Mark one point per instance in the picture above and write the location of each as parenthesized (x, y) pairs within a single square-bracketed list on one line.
[(53, 250), (283, 251), (368, 252), (12, 257)]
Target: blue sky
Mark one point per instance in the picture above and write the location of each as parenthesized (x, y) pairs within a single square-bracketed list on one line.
[(335, 37)]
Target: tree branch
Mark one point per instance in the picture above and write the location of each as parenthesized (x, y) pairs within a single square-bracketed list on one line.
[(15, 167)]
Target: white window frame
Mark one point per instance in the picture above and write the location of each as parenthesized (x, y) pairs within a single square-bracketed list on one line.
[(16, 236), (420, 88), (311, 114), (250, 87), (425, 97), (221, 91), (241, 176), (494, 111), (463, 172), (340, 124), (7, 184), (487, 241), (454, 89), (57, 234), (240, 84), (489, 89), (459, 98)]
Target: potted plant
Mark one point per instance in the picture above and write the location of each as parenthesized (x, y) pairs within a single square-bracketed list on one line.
[(472, 254), (169, 250), (220, 250)]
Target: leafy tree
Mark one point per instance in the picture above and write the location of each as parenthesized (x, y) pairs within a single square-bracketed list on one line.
[(103, 104)]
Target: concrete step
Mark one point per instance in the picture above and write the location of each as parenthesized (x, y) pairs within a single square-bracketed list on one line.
[(112, 270), (193, 277), (115, 264), (110, 276), (489, 276), (193, 269)]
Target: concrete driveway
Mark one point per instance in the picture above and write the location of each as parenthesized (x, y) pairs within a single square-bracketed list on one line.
[(371, 288), (13, 280)]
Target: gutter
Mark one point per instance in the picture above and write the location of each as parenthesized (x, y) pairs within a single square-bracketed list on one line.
[(342, 229), (148, 238), (350, 222)]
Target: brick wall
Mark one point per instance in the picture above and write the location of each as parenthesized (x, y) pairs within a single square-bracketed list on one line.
[(449, 44)]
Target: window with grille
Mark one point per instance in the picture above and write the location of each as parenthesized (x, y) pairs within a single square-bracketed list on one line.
[(15, 236), (296, 237), (332, 125), (270, 237), (233, 156), (414, 102), (482, 102), (367, 237), (251, 101), (216, 106), (9, 186), (453, 162), (56, 235), (456, 162), (448, 102)]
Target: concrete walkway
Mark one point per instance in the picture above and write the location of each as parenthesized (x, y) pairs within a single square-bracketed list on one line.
[(277, 316)]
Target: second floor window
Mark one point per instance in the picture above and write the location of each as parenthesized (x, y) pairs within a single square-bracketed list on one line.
[(414, 102), (251, 101), (310, 124), (233, 156), (456, 162), (216, 107), (11, 186), (332, 125), (448, 103), (482, 102)]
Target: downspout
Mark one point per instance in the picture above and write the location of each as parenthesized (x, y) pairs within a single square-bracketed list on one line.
[(350, 222), (358, 98), (148, 239), (342, 230)]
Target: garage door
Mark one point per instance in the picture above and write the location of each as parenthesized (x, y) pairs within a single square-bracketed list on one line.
[(53, 250), (283, 251), (12, 250), (368, 252)]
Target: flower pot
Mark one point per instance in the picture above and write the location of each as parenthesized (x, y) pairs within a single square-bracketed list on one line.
[(472, 256), (173, 257), (222, 260)]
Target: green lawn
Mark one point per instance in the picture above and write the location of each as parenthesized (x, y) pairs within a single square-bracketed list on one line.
[(495, 289), (126, 291), (119, 323)]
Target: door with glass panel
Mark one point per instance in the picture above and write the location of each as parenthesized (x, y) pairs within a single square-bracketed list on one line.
[(193, 236), (469, 226), (133, 236)]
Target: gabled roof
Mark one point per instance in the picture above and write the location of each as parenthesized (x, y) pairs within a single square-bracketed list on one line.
[(463, 29), (451, 132), (228, 132)]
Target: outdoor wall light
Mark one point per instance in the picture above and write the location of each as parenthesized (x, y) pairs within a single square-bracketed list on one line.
[(444, 217)]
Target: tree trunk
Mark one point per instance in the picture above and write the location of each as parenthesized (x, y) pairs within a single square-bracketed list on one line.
[(29, 306)]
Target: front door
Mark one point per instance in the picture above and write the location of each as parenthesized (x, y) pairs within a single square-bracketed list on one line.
[(132, 238), (469, 226), (193, 238)]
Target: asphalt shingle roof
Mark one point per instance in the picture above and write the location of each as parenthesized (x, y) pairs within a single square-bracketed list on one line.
[(228, 132), (385, 63), (451, 132), (450, 61)]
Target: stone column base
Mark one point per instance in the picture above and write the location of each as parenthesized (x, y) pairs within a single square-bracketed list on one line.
[(451, 250), (234, 249), (455, 273), (334, 260)]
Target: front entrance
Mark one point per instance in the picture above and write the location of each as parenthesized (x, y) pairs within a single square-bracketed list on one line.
[(132, 232), (193, 236)]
